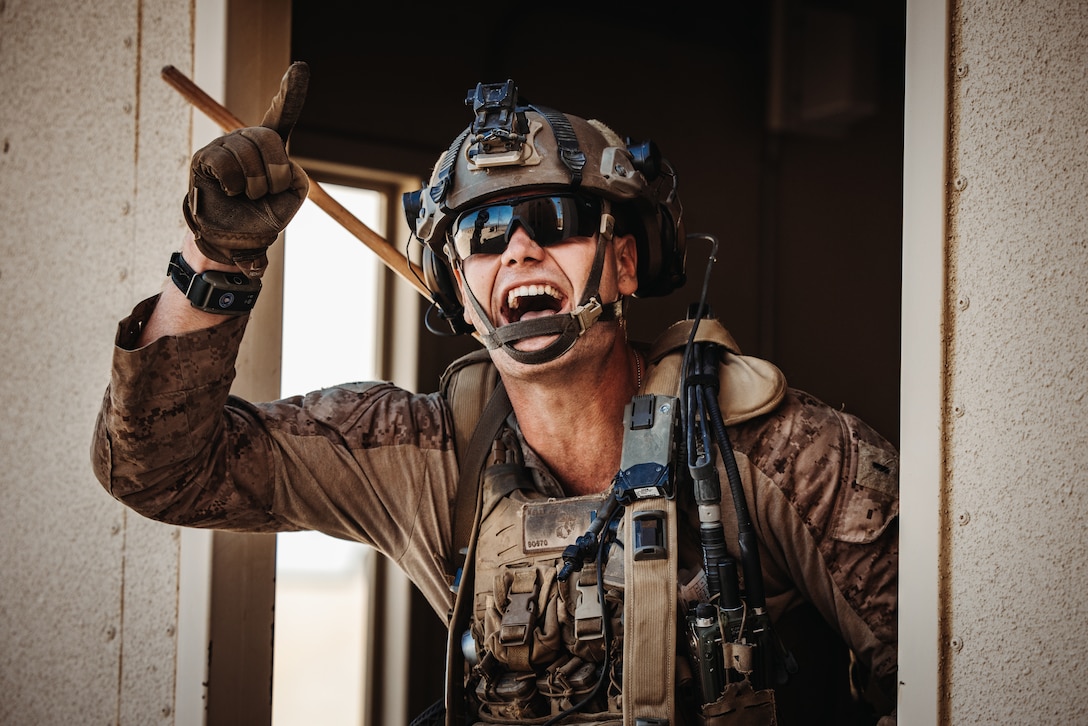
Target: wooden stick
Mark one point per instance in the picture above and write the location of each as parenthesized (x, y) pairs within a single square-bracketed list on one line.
[(227, 121)]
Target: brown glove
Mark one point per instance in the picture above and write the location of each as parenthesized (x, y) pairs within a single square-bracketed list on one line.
[(243, 190)]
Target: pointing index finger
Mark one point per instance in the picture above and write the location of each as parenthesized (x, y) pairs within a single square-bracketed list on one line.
[(287, 105)]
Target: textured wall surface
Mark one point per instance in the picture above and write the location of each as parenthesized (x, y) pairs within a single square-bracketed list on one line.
[(93, 158), (1016, 587)]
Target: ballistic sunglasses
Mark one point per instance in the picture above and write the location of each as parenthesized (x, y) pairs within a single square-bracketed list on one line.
[(549, 220)]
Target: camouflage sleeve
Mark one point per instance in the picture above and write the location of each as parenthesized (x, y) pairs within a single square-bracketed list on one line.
[(368, 462), (824, 493)]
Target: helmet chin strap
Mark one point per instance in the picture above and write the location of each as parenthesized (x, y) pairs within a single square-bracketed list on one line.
[(568, 327)]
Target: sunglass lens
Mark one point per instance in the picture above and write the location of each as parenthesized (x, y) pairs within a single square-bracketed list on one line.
[(548, 220), (483, 231)]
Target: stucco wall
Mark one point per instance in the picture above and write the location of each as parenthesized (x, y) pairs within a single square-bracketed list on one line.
[(1016, 584), (93, 153)]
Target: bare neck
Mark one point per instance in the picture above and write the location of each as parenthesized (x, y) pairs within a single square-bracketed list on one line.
[(572, 417)]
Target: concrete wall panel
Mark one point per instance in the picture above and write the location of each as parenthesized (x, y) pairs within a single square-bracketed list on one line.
[(1018, 308), (93, 145)]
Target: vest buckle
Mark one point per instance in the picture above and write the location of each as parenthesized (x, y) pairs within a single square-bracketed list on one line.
[(589, 612), (520, 614)]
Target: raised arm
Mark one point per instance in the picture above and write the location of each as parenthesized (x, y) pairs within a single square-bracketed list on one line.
[(168, 441)]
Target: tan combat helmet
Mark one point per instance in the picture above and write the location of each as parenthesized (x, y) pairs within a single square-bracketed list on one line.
[(522, 149)]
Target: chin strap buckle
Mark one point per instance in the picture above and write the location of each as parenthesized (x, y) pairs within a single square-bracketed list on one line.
[(587, 314)]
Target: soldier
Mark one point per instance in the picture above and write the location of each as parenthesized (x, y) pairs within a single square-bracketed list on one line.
[(631, 534)]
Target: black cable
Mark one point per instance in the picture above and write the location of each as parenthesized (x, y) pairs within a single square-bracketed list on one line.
[(700, 309), (746, 535)]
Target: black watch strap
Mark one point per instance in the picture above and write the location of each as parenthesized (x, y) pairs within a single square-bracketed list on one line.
[(214, 291)]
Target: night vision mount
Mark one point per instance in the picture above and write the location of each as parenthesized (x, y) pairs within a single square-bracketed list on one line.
[(498, 131)]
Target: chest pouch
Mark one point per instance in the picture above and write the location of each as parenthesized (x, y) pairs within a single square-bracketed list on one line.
[(540, 642)]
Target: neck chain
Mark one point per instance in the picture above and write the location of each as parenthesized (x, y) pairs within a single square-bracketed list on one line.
[(638, 370)]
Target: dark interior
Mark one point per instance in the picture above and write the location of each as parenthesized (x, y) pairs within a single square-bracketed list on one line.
[(784, 121), (806, 201)]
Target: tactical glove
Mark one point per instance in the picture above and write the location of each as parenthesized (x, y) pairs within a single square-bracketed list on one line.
[(243, 189)]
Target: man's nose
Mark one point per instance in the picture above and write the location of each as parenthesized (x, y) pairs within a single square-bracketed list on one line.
[(521, 248)]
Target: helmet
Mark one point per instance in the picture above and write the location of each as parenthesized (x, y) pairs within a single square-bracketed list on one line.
[(522, 149)]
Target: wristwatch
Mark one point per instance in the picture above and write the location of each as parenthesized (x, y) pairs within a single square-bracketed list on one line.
[(214, 291)]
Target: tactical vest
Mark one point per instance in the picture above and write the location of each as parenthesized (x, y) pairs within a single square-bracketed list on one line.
[(524, 646)]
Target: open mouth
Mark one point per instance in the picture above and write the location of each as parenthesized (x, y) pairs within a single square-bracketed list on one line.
[(532, 301)]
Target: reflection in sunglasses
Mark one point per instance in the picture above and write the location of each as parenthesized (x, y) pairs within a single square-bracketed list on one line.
[(548, 220)]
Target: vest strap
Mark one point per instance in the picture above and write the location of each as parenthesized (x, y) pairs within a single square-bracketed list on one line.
[(649, 615), (465, 526), (472, 464)]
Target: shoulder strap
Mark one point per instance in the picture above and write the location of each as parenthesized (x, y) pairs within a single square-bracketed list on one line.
[(466, 518), (471, 466), (479, 405), (467, 384)]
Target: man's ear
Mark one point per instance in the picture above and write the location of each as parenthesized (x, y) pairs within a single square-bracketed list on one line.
[(626, 264)]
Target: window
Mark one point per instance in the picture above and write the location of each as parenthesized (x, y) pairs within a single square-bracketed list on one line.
[(330, 329)]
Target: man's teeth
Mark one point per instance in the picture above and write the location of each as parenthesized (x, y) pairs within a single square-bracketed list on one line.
[(513, 299)]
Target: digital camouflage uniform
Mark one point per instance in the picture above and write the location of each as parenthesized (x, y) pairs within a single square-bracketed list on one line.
[(376, 464)]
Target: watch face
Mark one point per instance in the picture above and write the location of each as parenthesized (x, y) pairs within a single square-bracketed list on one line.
[(229, 302), (224, 292)]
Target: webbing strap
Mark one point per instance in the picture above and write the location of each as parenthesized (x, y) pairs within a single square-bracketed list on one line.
[(472, 465), (650, 600), (465, 524), (649, 616)]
